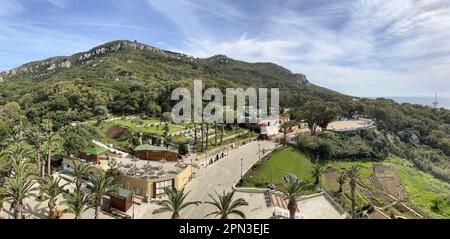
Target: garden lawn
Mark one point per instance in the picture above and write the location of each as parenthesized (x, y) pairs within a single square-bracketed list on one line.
[(276, 165)]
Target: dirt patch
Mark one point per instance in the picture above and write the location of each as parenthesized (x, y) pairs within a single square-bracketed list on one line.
[(114, 132)]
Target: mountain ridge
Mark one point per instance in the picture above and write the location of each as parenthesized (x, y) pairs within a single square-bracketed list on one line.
[(51, 65)]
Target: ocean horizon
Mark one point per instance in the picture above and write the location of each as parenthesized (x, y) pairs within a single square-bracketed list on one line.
[(420, 100)]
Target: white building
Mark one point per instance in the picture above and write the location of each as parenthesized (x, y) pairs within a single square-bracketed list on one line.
[(269, 127)]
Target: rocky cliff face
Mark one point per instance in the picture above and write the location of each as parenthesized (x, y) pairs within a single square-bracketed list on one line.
[(52, 65)]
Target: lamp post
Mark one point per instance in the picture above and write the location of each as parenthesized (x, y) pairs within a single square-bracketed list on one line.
[(241, 167), (191, 169), (132, 201), (259, 151), (271, 174)]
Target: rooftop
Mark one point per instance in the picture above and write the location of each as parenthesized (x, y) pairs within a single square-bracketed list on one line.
[(148, 147), (122, 192), (94, 150)]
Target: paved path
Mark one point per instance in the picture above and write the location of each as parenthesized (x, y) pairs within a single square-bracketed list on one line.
[(218, 177)]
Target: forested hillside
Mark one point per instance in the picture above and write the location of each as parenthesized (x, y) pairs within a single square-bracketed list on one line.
[(129, 77)]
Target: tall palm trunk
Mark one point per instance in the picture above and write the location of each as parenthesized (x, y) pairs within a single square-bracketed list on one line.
[(18, 211), (37, 159), (49, 160), (285, 134), (78, 185), (207, 136), (215, 133), (176, 215), (203, 136), (42, 169), (292, 207), (195, 133), (353, 188), (221, 134), (51, 207), (98, 204)]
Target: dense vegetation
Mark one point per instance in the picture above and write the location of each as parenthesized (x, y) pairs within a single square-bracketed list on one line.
[(128, 78)]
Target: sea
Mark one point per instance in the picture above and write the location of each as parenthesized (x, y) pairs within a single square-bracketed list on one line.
[(443, 101)]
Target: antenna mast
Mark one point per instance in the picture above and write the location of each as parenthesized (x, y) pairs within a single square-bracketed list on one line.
[(436, 102)]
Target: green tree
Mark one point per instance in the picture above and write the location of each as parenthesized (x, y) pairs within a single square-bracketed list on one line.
[(342, 179), (19, 186), (114, 172), (182, 149), (77, 138), (174, 203), (310, 114), (317, 172), (36, 138), (101, 113), (225, 205), (52, 141), (81, 170), (166, 118), (77, 203), (292, 189), (353, 174), (100, 185), (52, 188)]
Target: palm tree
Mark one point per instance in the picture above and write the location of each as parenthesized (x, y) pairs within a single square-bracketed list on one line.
[(100, 185), (76, 138), (18, 152), (80, 171), (52, 188), (36, 138), (215, 133), (195, 134), (52, 141), (175, 202), (221, 133), (77, 203), (292, 189), (19, 186), (353, 174), (342, 179), (226, 206), (2, 198), (317, 172), (207, 136)]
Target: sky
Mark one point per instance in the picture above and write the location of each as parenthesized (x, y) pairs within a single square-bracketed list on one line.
[(359, 47)]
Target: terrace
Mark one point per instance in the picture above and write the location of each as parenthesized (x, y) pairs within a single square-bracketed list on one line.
[(145, 169)]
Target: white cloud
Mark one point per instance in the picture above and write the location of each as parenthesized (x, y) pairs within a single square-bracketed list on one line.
[(392, 47), (10, 7), (58, 3)]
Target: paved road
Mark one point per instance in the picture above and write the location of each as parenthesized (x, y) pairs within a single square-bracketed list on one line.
[(217, 177), (222, 175)]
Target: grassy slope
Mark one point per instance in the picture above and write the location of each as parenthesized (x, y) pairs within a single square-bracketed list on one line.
[(281, 162), (421, 187)]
